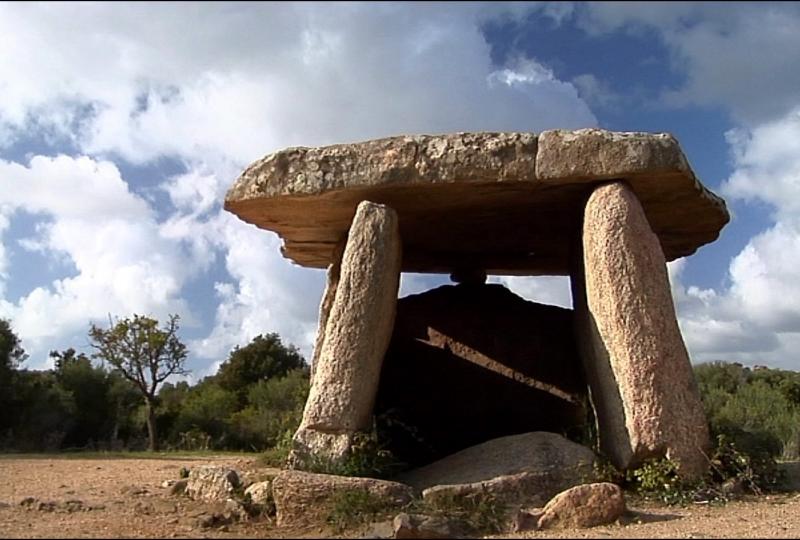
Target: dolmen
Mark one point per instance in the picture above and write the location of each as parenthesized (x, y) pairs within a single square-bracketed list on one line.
[(607, 209)]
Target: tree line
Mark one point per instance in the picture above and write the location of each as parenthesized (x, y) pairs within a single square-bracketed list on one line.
[(120, 398), (254, 401)]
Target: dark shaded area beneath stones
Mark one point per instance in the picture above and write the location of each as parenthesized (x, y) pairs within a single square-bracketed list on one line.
[(472, 362)]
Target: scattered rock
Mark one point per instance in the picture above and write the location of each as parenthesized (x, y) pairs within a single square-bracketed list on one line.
[(584, 506), (179, 486), (525, 520), (424, 526), (259, 492), (379, 531), (212, 483), (237, 510), (308, 497), (214, 520)]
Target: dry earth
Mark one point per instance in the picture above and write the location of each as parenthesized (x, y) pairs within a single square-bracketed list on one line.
[(123, 498)]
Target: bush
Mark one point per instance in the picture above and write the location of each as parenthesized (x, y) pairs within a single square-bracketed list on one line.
[(353, 507)]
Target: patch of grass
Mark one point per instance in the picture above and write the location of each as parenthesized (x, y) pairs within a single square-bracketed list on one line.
[(353, 507), (480, 513), (278, 455), (367, 458)]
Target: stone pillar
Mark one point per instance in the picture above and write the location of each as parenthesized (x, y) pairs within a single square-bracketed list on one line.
[(332, 282), (641, 380), (357, 334)]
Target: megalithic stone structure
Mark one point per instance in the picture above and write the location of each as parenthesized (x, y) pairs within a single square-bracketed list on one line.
[(356, 335), (608, 209), (645, 394)]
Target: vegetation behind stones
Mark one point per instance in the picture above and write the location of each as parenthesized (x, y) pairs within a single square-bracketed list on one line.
[(255, 403)]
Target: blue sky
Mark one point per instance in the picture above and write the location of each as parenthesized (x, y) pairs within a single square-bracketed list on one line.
[(122, 126)]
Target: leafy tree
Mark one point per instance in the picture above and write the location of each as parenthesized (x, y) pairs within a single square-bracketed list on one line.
[(263, 358), (11, 352), (206, 410), (145, 355), (11, 356), (275, 408), (89, 387), (43, 412)]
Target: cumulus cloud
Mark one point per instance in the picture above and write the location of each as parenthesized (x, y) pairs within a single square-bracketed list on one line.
[(745, 57), (89, 215), (756, 318), (214, 86)]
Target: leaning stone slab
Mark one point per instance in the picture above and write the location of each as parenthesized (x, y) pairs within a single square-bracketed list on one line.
[(588, 505), (515, 470), (538, 452), (302, 497), (211, 483), (643, 387), (356, 337), (505, 203)]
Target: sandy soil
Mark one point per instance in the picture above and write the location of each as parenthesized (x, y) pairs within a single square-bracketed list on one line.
[(123, 498)]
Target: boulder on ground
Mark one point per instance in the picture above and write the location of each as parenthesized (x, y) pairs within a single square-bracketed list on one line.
[(212, 483), (310, 497), (259, 492), (525, 469), (584, 506)]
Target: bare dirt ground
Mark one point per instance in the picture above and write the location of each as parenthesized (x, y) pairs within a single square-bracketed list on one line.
[(123, 498)]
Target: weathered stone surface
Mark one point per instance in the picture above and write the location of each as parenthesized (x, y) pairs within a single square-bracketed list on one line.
[(525, 519), (643, 387), (518, 469), (211, 483), (356, 336), (588, 505), (506, 203), (259, 492), (328, 296), (178, 487), (424, 526), (470, 386), (308, 498)]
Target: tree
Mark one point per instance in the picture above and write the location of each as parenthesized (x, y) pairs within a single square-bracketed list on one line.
[(11, 352), (263, 358), (11, 356), (88, 384), (143, 354)]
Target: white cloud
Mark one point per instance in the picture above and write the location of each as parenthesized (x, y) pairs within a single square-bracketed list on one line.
[(745, 57), (122, 263), (217, 85), (756, 319)]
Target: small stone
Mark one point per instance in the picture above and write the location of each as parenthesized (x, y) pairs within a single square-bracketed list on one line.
[(179, 486), (586, 505), (423, 526), (211, 483), (525, 520)]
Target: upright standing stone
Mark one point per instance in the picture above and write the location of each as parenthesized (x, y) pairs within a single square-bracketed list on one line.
[(332, 282), (357, 334), (638, 369)]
